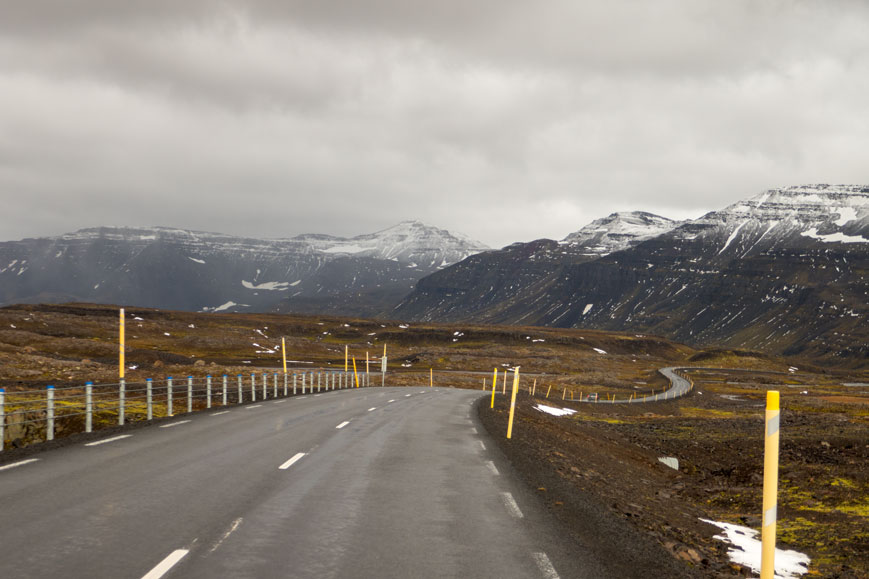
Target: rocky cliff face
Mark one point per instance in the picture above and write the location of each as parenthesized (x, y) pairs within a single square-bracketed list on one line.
[(179, 269), (785, 272)]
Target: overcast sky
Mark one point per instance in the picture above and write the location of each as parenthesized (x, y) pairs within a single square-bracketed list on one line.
[(505, 120)]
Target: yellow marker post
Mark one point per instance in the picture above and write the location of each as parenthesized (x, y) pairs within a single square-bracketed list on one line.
[(534, 388), (366, 362), (284, 353), (355, 374), (346, 359), (430, 378), (770, 486), (384, 350), (513, 402), (494, 385), (121, 361), (548, 390)]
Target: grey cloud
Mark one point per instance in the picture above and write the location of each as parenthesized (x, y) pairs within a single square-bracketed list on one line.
[(505, 120)]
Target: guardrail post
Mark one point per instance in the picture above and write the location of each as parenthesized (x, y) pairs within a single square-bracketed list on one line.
[(240, 390), (294, 383), (253, 387), (304, 374), (49, 413), (88, 406), (224, 389), (190, 394), (275, 382), (318, 381), (2, 417), (122, 399), (169, 396), (208, 391), (286, 384), (149, 398), (265, 385)]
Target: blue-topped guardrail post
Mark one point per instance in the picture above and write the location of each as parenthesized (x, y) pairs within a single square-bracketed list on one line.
[(169, 396), (49, 413), (224, 389), (190, 394), (2, 417), (149, 398), (89, 407), (253, 387), (208, 391)]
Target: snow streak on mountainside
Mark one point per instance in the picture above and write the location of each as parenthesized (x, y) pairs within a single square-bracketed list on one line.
[(784, 271), (179, 269)]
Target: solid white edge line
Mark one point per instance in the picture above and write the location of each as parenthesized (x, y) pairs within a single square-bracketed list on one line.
[(112, 439), (292, 461), (511, 505), (163, 566), (174, 424), (221, 412), (343, 424), (545, 566), (279, 401), (372, 408), (254, 406), (19, 463)]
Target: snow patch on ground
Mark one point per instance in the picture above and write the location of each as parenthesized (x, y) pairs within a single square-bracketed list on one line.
[(345, 249), (225, 306), (554, 411), (746, 551), (196, 260), (280, 286), (599, 351), (846, 214), (587, 308)]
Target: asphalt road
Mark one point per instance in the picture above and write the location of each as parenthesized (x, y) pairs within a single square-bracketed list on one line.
[(374, 482)]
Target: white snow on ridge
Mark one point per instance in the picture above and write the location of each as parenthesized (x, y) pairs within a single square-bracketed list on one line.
[(345, 249), (587, 308), (846, 214), (746, 551), (225, 306), (280, 286), (834, 237), (194, 259), (732, 237)]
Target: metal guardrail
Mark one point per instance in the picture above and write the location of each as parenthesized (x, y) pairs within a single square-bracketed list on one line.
[(679, 386), (28, 416)]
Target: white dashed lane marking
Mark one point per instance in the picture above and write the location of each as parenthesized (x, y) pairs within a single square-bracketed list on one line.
[(112, 439)]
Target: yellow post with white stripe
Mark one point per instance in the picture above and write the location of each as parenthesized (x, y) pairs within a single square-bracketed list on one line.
[(513, 401), (355, 374), (494, 385), (770, 486), (122, 335)]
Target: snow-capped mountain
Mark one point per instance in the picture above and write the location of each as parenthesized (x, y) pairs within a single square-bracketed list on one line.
[(619, 231), (784, 271), (179, 269)]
